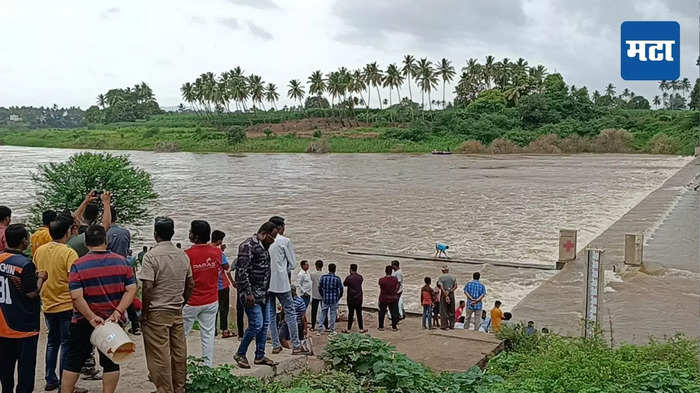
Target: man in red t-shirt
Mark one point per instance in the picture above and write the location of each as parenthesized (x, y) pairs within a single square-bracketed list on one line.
[(203, 305)]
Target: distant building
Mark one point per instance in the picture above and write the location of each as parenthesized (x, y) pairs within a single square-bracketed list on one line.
[(14, 117)]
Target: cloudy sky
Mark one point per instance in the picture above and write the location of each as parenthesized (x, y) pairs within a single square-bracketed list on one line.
[(67, 52)]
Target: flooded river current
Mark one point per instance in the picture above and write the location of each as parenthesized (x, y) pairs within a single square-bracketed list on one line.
[(502, 207)]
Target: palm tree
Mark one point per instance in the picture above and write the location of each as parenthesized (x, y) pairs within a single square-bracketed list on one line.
[(188, 93), (257, 89), (373, 77), (296, 90), (427, 79), (357, 84), (409, 72), (343, 82), (537, 75), (393, 79), (503, 70), (685, 85), (488, 70), (271, 94), (610, 90), (101, 100), (447, 72), (596, 96), (333, 87), (317, 85), (657, 101), (625, 92), (664, 98)]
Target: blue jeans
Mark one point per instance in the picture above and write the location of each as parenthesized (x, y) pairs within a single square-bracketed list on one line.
[(258, 323), (329, 311), (290, 317), (59, 327), (427, 316)]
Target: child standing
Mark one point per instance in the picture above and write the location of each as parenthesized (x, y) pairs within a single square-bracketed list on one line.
[(459, 313), (436, 307), (496, 317), (426, 300)]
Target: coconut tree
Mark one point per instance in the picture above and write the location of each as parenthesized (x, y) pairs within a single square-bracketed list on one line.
[(102, 101), (188, 94), (373, 77), (357, 84), (503, 73), (610, 90), (257, 89), (333, 87), (317, 84), (343, 82), (685, 85), (271, 94), (409, 72), (446, 72), (296, 90), (393, 79), (657, 101), (488, 70), (536, 76), (427, 79)]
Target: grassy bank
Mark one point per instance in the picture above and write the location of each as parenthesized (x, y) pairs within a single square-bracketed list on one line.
[(505, 130), (543, 363)]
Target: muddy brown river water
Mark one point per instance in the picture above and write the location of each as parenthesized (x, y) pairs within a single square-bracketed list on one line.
[(499, 207)]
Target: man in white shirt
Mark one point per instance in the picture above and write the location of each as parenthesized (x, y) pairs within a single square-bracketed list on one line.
[(399, 276), (304, 283), (282, 263)]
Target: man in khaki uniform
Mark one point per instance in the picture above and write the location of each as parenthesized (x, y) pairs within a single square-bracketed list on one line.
[(167, 282)]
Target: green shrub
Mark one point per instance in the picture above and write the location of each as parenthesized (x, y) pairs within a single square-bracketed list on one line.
[(663, 144), (235, 135), (203, 379), (64, 185), (317, 133)]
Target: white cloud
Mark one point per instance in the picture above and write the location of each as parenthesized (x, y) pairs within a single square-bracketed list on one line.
[(70, 52)]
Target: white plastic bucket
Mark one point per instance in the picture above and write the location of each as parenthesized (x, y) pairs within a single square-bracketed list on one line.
[(112, 341)]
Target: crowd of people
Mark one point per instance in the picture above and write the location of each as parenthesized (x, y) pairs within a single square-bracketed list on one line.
[(79, 270)]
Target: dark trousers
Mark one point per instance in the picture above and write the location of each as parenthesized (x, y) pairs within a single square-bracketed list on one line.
[(355, 308), (20, 352), (393, 310), (133, 317), (223, 308), (57, 340), (240, 314), (447, 312), (315, 305)]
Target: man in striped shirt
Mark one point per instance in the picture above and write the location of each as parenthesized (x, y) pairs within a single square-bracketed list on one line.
[(102, 286)]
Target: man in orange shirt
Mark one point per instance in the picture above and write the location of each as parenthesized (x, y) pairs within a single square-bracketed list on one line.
[(42, 235), (496, 317)]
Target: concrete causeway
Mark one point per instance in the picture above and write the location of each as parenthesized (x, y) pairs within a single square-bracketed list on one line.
[(637, 305)]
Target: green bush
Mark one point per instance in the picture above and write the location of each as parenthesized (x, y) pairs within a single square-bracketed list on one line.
[(203, 379), (64, 185), (235, 135), (554, 364)]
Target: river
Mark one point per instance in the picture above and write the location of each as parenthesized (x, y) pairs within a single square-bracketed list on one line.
[(500, 207)]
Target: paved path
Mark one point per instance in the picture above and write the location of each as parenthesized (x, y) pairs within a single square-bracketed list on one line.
[(639, 305)]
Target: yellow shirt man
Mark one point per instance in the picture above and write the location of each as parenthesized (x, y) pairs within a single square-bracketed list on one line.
[(56, 259), (496, 317), (39, 238)]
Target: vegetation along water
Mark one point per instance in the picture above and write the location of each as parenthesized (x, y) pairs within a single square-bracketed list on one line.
[(499, 107)]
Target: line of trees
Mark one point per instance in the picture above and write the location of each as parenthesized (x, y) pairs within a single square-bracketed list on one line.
[(128, 104), (235, 90), (41, 117)]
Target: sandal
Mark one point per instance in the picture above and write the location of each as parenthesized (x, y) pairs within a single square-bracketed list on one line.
[(241, 361), (227, 334), (265, 361)]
